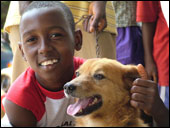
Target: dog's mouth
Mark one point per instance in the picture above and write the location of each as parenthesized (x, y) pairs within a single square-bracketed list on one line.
[(85, 106)]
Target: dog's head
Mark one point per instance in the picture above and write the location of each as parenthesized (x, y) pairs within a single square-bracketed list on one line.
[(100, 84)]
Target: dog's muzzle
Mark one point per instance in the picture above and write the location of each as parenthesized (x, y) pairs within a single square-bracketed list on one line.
[(69, 88)]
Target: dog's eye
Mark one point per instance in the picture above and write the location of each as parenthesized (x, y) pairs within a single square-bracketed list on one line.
[(98, 76), (77, 74)]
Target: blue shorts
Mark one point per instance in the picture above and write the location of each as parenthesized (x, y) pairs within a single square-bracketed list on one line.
[(164, 94)]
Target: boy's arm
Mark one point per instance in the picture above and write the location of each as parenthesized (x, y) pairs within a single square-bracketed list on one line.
[(18, 116), (148, 31)]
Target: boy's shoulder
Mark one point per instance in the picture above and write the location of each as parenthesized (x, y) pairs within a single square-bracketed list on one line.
[(25, 93), (78, 61), (23, 87), (25, 79)]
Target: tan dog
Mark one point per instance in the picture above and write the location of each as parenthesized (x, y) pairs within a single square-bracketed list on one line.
[(102, 89)]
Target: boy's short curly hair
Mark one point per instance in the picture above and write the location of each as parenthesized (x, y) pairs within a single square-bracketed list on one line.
[(48, 4)]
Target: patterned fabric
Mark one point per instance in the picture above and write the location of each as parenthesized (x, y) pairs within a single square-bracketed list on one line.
[(125, 12), (78, 9)]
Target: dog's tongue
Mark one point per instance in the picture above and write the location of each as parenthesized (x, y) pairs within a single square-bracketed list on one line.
[(74, 108)]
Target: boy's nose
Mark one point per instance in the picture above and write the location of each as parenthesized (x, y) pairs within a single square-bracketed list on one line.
[(45, 47), (69, 88)]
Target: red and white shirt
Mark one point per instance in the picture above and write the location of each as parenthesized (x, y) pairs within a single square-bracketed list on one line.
[(48, 107)]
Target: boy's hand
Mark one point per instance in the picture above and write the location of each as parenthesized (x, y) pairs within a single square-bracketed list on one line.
[(145, 96), (97, 20), (145, 93)]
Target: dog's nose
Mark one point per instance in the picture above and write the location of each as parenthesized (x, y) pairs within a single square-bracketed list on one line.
[(69, 88)]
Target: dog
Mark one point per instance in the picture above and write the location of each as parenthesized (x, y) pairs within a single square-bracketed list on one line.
[(102, 92)]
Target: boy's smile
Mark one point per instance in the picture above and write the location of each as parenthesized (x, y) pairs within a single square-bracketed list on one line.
[(48, 45)]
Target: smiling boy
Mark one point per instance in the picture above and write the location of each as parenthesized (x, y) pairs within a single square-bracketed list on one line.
[(48, 40)]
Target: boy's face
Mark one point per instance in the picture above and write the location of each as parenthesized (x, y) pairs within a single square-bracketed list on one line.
[(48, 43)]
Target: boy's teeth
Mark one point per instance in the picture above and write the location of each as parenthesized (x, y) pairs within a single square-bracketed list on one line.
[(49, 62)]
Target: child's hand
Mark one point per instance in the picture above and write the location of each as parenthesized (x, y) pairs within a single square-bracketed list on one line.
[(145, 96), (97, 21), (145, 93)]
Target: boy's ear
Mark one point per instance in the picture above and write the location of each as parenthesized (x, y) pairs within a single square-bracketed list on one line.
[(78, 39), (21, 49)]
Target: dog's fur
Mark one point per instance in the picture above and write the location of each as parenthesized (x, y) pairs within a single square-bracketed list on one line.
[(114, 89)]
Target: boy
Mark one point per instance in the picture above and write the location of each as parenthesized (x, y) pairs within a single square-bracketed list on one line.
[(48, 38)]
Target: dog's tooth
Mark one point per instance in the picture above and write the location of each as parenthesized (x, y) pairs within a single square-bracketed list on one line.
[(95, 100), (81, 110), (90, 104), (54, 60)]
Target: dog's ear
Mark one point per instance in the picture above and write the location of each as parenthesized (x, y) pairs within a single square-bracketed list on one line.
[(129, 75)]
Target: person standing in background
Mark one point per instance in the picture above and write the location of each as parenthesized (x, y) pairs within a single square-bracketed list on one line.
[(155, 32), (129, 47)]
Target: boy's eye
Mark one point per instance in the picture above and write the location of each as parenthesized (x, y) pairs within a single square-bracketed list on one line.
[(32, 39), (55, 35)]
